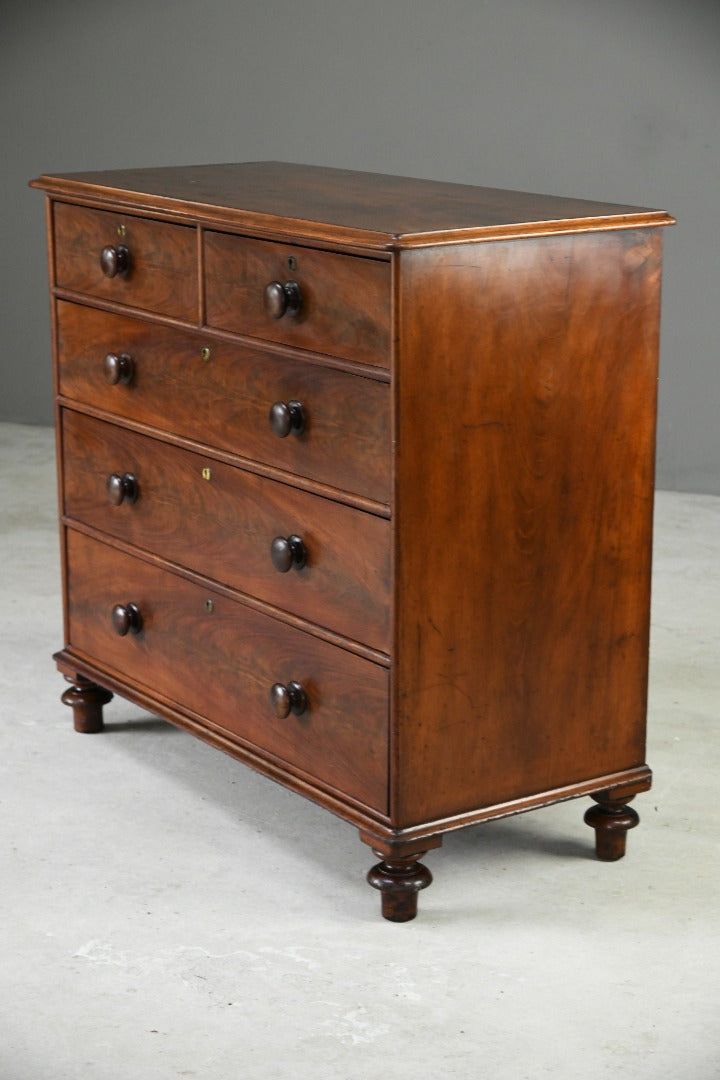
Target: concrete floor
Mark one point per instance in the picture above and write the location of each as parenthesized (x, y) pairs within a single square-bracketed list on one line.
[(167, 913)]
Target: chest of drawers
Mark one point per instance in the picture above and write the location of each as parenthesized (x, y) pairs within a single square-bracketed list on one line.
[(356, 485)]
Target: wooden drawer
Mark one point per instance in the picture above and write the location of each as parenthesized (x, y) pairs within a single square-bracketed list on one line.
[(345, 308), (222, 663), (224, 401), (220, 521), (162, 274)]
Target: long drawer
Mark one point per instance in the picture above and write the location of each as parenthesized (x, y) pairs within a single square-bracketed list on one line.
[(220, 660), (221, 395), (157, 272), (318, 300), (222, 521)]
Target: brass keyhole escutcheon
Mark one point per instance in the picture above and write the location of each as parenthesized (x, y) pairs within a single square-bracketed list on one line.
[(205, 352), (292, 262), (207, 473), (121, 230), (209, 606)]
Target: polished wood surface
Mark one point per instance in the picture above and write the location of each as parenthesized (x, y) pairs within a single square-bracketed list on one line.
[(224, 401), (371, 509), (612, 819), (345, 309), (126, 619), (221, 661), (115, 259), (340, 206), (119, 368), (283, 298), (162, 270), (522, 613), (399, 880), (86, 700), (120, 489), (221, 521)]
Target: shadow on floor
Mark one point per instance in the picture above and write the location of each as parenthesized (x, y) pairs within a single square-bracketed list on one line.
[(242, 793), (145, 723)]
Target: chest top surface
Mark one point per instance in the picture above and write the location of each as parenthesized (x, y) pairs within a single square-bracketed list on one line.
[(371, 209)]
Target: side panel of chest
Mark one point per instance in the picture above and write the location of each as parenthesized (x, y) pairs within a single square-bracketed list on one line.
[(526, 384)]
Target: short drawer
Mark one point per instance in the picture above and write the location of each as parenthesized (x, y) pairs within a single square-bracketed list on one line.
[(221, 521), (218, 659), (159, 272), (344, 300), (221, 395)]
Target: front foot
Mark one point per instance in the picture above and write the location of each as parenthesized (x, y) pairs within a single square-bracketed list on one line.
[(611, 819), (86, 699), (399, 880)]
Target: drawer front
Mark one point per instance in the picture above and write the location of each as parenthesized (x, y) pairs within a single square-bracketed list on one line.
[(162, 271), (345, 299), (222, 663), (221, 521), (225, 401)]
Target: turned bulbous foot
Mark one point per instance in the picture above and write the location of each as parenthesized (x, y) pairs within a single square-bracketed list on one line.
[(611, 819), (86, 699), (399, 881)]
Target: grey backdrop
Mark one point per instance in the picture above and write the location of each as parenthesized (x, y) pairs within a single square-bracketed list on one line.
[(616, 100)]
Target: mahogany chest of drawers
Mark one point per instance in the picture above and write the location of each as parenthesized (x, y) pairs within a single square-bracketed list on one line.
[(356, 484)]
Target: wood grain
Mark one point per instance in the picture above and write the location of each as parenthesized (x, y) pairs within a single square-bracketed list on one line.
[(523, 516), (224, 402), (339, 206), (463, 396), (163, 273), (223, 527), (222, 664), (345, 299)]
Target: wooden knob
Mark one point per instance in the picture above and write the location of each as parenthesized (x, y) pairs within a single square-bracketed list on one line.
[(286, 553), (122, 488), (126, 619), (118, 368), (115, 260), (286, 417), (282, 299), (287, 699)]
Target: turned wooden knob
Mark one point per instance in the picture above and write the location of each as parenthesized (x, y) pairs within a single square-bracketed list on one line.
[(286, 417), (287, 699), (282, 299), (118, 368), (122, 488), (115, 260), (126, 619), (288, 552)]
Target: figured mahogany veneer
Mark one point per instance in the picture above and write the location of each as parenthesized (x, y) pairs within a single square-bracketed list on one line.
[(343, 305), (221, 521), (223, 398), (221, 660), (357, 482), (161, 260)]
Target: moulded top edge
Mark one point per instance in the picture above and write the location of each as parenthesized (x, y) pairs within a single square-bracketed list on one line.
[(367, 210)]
